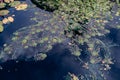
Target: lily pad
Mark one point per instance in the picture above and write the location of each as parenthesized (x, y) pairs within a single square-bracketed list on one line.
[(7, 1), (1, 28), (21, 6), (3, 12), (2, 5), (14, 4)]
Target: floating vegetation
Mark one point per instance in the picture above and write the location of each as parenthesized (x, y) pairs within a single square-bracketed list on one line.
[(84, 19), (22, 6), (2, 5), (14, 3), (50, 5), (8, 1), (5, 5), (1, 28), (8, 20), (36, 37), (72, 24), (71, 77), (40, 56), (3, 12)]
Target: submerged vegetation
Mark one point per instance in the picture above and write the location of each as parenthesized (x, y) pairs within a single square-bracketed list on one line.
[(74, 23), (5, 5)]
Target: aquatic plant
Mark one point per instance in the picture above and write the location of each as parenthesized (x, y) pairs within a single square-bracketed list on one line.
[(40, 56), (2, 5), (71, 77), (85, 19), (4, 10), (50, 5), (22, 6), (73, 24), (14, 3), (37, 37), (81, 16), (1, 28)]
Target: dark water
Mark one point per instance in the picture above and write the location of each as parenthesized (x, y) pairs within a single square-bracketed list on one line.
[(56, 65)]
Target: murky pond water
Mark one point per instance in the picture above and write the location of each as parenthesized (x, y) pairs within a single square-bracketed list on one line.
[(23, 64)]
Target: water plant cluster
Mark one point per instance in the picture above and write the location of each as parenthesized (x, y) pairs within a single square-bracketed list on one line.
[(40, 36), (85, 20), (5, 5), (74, 23)]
